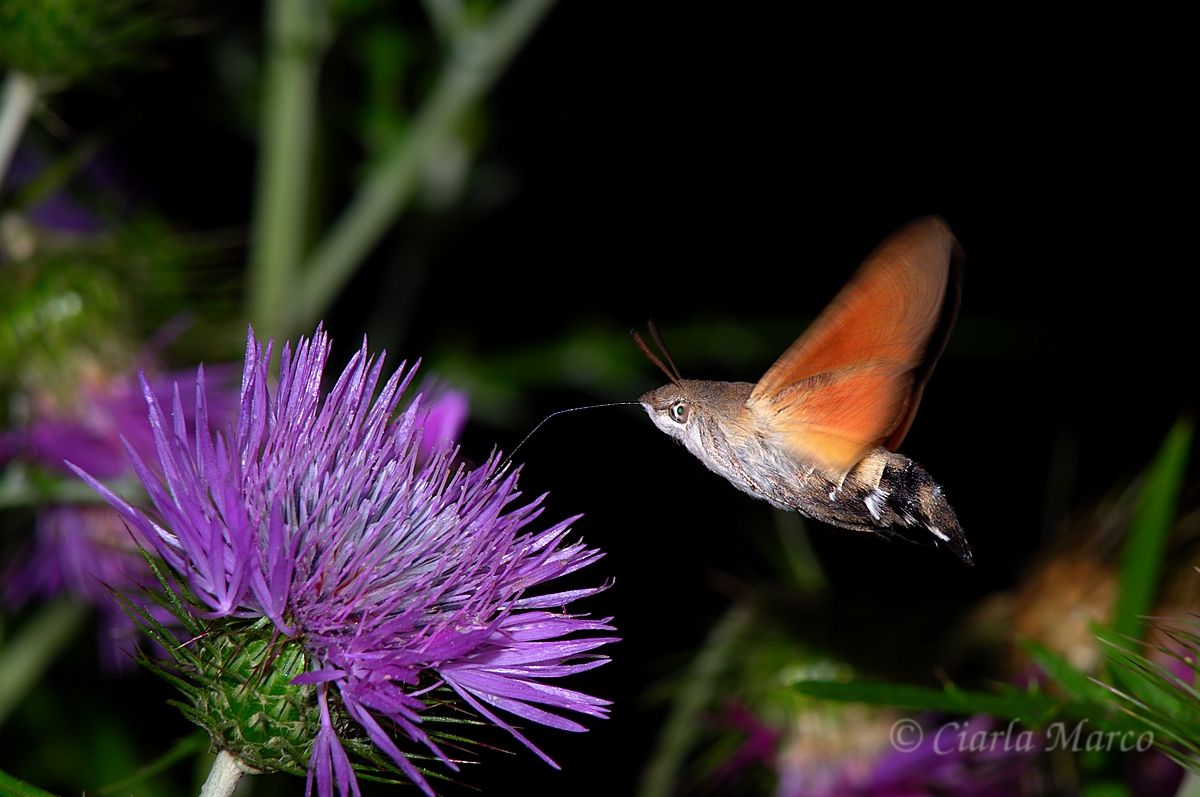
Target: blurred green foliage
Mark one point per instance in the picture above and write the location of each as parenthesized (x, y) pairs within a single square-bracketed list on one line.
[(86, 303), (67, 40), (51, 313)]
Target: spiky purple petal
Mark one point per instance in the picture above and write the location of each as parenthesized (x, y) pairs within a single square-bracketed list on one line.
[(329, 761)]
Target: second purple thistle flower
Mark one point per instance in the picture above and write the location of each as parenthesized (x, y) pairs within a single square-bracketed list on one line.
[(396, 571)]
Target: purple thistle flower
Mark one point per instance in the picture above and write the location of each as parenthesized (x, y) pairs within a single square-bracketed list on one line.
[(397, 574), (84, 551), (88, 551)]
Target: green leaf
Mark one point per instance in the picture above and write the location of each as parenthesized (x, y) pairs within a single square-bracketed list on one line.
[(1073, 682), (11, 787), (1030, 708), (1141, 562)]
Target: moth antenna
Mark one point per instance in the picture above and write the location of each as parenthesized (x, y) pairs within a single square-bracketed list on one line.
[(508, 459), (663, 348), (641, 344)]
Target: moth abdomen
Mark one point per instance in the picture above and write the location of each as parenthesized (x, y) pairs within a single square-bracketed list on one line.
[(917, 500)]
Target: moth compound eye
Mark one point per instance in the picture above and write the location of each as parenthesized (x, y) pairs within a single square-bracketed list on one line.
[(680, 412)]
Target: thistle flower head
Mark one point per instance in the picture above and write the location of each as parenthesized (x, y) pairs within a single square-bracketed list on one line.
[(381, 574)]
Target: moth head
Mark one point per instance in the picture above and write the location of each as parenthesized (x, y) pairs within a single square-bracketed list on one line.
[(671, 407)]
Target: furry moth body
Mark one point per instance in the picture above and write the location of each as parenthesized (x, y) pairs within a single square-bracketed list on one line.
[(818, 433)]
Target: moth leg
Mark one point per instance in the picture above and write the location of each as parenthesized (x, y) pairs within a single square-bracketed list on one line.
[(869, 471), (868, 474)]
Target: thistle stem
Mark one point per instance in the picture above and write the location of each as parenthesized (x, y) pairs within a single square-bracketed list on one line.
[(297, 31), (445, 16), (223, 777), (20, 97), (478, 58), (34, 648)]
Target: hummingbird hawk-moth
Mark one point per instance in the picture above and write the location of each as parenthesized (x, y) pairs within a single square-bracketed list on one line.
[(818, 433)]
